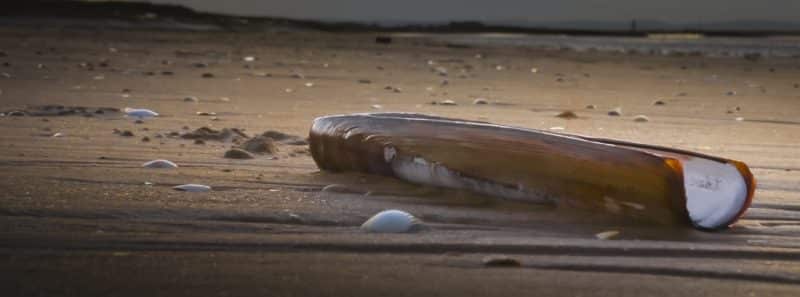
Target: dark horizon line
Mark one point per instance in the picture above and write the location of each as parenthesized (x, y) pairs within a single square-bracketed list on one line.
[(133, 11)]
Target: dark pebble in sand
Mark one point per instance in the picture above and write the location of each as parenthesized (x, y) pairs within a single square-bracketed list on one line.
[(591, 106), (16, 113), (199, 142), (567, 114), (615, 112), (364, 81), (200, 65), (208, 75), (236, 153), (659, 102), (149, 73), (260, 144), (167, 73), (285, 138), (126, 133), (500, 261), (138, 122), (145, 139)]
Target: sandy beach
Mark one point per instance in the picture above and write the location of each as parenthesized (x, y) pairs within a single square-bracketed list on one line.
[(82, 217)]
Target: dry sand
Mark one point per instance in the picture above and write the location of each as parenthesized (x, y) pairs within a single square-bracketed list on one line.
[(81, 217)]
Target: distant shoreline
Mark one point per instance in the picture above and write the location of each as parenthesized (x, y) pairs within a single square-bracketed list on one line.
[(146, 15)]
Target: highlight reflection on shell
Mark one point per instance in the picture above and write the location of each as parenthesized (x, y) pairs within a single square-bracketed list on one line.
[(642, 181)]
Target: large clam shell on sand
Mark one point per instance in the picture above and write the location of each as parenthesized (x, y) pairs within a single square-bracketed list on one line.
[(646, 182)]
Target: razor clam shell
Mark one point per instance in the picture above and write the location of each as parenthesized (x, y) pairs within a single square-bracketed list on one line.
[(630, 179)]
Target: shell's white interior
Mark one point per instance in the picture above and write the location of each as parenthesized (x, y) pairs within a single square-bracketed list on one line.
[(715, 192), (421, 171)]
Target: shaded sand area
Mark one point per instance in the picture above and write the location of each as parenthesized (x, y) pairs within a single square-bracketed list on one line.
[(80, 216)]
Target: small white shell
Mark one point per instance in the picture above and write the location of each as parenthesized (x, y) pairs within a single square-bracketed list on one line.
[(392, 221), (192, 188), (160, 163), (140, 112), (606, 235)]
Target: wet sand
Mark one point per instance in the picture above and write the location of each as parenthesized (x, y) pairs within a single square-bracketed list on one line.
[(80, 216)]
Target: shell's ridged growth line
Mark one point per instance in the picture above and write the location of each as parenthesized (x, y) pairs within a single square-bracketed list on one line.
[(646, 182)]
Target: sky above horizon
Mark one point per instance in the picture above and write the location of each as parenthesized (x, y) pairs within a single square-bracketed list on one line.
[(679, 11)]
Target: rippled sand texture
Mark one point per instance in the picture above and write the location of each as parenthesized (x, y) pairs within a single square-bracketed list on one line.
[(79, 215)]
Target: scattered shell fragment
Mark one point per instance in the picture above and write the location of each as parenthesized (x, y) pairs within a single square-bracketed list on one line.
[(447, 102), (480, 101), (615, 112), (641, 118), (567, 114), (739, 119), (500, 261), (392, 221), (534, 70), (140, 113), (160, 163), (606, 235), (249, 59), (191, 99), (377, 106), (192, 188), (309, 84), (59, 134), (730, 93)]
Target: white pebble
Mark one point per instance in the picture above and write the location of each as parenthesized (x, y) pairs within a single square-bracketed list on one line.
[(607, 234), (192, 188), (140, 112), (392, 221)]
